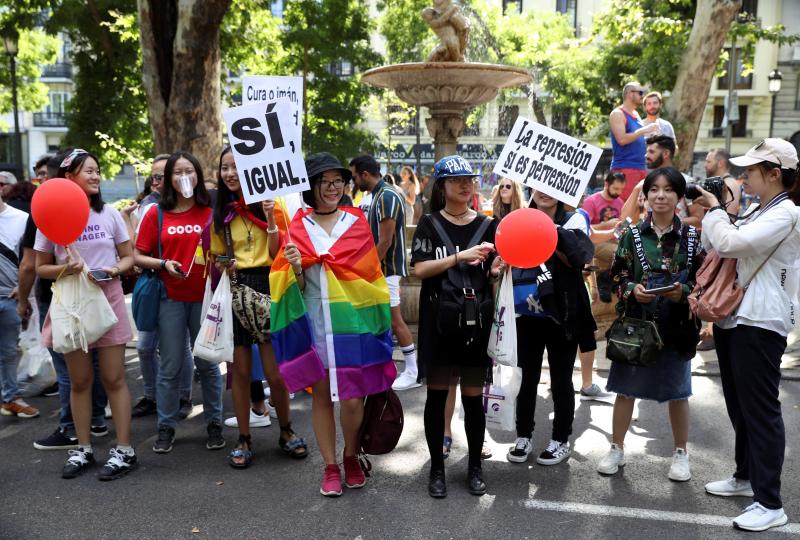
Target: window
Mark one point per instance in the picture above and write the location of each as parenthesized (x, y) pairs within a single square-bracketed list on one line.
[(797, 94), (750, 7), (341, 68), (507, 3), (7, 148), (570, 9), (739, 129), (58, 101), (560, 120), (741, 83), (508, 115)]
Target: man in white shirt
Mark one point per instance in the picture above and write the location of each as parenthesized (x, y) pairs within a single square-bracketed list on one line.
[(652, 106)]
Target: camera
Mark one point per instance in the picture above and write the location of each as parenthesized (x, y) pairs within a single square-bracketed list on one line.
[(713, 184)]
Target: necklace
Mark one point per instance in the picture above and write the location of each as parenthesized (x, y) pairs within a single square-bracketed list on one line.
[(326, 213), (456, 216), (249, 246), (660, 232)]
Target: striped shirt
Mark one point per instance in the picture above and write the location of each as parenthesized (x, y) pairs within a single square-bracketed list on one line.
[(389, 204)]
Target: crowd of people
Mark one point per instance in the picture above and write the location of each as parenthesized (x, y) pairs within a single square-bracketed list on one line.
[(317, 303)]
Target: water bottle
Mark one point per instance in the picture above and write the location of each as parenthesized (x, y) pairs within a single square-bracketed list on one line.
[(186, 186)]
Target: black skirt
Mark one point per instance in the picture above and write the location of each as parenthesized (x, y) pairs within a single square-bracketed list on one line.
[(258, 280)]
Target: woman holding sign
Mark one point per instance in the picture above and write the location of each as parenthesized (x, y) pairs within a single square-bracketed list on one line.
[(653, 274), (104, 248), (331, 326), (176, 227), (246, 239)]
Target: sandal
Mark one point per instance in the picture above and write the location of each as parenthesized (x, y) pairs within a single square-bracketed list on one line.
[(446, 445), (242, 456), (295, 446)]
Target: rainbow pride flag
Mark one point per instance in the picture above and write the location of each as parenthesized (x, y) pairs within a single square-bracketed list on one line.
[(344, 324)]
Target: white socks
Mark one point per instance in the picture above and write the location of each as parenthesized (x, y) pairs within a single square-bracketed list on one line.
[(410, 355)]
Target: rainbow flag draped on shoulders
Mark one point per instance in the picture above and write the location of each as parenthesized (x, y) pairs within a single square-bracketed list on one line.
[(347, 328)]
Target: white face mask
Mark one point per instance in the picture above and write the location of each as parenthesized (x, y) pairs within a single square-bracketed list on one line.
[(186, 186)]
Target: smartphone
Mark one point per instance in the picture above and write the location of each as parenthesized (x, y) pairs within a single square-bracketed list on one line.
[(662, 290), (100, 275), (224, 259)]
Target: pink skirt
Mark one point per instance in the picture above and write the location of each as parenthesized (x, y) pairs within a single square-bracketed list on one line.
[(119, 334)]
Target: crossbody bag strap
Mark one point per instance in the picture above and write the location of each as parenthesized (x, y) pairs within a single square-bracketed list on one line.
[(229, 250), (639, 248), (160, 224), (9, 254), (691, 246), (760, 266)]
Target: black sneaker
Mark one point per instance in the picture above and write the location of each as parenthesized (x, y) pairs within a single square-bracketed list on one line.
[(99, 431), (185, 410), (163, 444), (214, 440), (51, 390), (555, 453), (475, 483), (144, 407), (58, 440), (118, 465), (77, 463)]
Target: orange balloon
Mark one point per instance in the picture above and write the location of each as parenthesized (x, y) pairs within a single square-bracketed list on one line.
[(526, 238), (60, 209)]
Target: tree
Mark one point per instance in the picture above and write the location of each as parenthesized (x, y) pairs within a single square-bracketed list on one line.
[(108, 102), (327, 41), (408, 36), (180, 44)]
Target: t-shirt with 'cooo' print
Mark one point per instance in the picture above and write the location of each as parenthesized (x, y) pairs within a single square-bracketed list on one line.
[(181, 235)]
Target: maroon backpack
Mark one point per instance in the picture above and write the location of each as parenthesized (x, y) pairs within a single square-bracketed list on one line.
[(381, 427)]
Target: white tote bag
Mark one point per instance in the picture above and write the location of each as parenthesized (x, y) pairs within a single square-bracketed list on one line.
[(500, 397), (79, 313), (503, 337), (215, 340)]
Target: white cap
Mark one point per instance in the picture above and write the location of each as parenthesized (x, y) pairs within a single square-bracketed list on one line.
[(776, 151), (8, 177)]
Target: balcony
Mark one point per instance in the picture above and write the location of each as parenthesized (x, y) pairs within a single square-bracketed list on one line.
[(57, 71), (49, 119)]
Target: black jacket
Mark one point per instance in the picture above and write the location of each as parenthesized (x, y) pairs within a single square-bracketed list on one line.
[(561, 289)]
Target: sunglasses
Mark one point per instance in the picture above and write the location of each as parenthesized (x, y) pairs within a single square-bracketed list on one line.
[(505, 186), (157, 177)]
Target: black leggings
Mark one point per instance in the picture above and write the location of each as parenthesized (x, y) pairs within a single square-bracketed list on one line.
[(533, 335), (474, 425)]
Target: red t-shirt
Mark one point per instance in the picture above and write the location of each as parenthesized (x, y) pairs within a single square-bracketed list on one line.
[(180, 236)]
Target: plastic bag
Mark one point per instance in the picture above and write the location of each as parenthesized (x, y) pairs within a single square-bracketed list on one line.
[(79, 313), (503, 336), (500, 397), (215, 340), (35, 370)]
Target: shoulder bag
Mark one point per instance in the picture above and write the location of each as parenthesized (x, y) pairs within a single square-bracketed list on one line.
[(250, 307), (149, 291)]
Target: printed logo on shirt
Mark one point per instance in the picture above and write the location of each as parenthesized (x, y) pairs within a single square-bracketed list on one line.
[(424, 245), (92, 232), (441, 252), (187, 229)]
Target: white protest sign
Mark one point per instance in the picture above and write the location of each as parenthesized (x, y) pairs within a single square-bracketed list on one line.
[(266, 150), (548, 161), (256, 88)]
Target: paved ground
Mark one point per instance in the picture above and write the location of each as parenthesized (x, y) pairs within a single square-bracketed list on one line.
[(193, 493)]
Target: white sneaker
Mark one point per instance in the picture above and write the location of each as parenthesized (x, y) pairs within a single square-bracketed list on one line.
[(679, 471), (256, 420), (405, 381), (757, 518), (613, 461), (594, 392), (520, 451), (732, 487)]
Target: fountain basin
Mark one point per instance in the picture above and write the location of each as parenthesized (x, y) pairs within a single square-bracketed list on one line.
[(446, 85)]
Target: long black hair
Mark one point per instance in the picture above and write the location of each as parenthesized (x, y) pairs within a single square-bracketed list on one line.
[(71, 161), (225, 196), (437, 195), (308, 195), (169, 197)]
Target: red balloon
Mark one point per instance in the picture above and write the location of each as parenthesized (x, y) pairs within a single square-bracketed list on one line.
[(60, 209), (526, 238)]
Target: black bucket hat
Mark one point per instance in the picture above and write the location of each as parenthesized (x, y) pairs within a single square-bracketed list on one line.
[(323, 161)]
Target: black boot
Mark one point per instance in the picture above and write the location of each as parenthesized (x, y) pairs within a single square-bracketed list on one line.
[(475, 482), (437, 488)]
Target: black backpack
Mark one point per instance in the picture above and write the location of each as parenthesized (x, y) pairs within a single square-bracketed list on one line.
[(465, 305)]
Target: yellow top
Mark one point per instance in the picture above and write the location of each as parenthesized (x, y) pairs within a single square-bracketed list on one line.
[(253, 254)]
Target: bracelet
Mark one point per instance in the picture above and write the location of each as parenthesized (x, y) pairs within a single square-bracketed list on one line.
[(456, 256), (272, 230), (163, 264), (298, 274)]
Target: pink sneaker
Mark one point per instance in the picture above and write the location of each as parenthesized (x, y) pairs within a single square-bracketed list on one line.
[(353, 473), (331, 481)]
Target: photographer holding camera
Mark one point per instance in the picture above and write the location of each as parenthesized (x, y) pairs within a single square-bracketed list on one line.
[(752, 340)]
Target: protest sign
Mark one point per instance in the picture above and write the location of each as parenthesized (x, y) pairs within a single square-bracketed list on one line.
[(266, 149), (548, 161), (257, 88)]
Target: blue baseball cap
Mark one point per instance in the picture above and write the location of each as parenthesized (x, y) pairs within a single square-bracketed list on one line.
[(453, 165)]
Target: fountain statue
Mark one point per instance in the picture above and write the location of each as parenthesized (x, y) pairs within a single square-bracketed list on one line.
[(446, 84)]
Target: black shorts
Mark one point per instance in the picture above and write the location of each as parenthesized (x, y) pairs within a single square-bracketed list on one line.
[(258, 280)]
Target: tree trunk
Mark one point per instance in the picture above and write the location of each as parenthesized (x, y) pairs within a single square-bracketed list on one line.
[(181, 75), (712, 21)]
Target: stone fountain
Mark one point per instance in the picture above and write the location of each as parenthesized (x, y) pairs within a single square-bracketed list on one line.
[(445, 83)]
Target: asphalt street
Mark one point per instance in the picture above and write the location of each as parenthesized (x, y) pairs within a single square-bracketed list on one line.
[(193, 493)]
